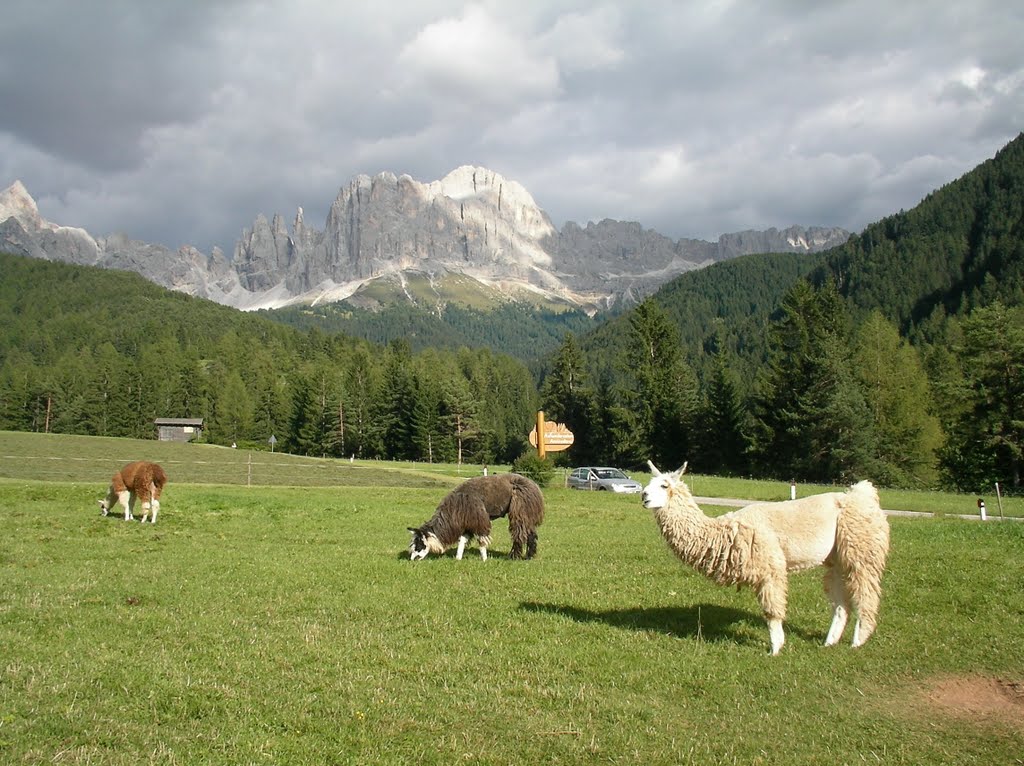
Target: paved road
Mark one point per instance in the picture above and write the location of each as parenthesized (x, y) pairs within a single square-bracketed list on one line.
[(737, 503)]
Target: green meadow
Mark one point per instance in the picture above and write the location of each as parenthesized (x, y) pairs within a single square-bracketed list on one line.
[(272, 616)]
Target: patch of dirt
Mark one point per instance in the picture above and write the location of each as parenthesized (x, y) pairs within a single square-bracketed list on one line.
[(977, 699)]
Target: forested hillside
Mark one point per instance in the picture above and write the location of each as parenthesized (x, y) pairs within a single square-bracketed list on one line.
[(898, 356), (92, 351), (515, 328), (961, 248), (723, 306)]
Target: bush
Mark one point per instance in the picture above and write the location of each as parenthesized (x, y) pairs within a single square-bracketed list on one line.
[(532, 467)]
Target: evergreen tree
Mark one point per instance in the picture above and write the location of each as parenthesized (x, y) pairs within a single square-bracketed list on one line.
[(601, 447), (892, 377), (113, 411), (725, 444), (70, 390), (838, 435), (810, 419), (987, 442), (663, 397), (514, 404), (429, 428), (567, 397), (398, 403), (462, 415), (312, 413), (361, 390), (19, 392), (234, 410)]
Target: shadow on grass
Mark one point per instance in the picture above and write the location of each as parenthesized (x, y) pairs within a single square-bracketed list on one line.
[(451, 553), (708, 622)]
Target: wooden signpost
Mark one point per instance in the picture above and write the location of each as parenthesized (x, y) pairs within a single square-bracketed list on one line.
[(549, 436)]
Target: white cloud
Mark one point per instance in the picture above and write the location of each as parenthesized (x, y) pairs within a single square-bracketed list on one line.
[(585, 41), (474, 59)]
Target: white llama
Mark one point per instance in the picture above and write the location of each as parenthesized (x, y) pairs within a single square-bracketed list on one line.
[(845, 532)]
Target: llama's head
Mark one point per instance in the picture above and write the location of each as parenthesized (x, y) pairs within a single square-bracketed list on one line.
[(660, 487), (104, 506), (423, 542)]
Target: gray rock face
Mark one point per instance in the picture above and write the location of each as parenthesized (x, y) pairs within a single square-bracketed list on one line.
[(472, 222), (24, 232)]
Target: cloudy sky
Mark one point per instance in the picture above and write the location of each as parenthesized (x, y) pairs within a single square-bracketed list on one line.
[(177, 122)]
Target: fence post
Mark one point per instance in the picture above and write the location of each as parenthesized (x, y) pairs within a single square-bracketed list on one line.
[(248, 479)]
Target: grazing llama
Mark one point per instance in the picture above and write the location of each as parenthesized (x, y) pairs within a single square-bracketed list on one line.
[(138, 480), (467, 511), (847, 533)]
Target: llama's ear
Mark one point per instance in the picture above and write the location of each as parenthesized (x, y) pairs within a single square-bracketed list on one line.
[(412, 529), (683, 469), (654, 470)]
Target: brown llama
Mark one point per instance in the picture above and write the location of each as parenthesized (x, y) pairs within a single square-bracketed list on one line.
[(139, 480)]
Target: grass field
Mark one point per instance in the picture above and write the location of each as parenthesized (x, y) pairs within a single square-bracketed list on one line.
[(286, 625)]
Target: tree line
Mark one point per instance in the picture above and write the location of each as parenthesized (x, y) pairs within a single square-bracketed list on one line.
[(834, 400)]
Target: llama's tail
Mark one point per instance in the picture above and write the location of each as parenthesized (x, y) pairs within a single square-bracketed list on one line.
[(862, 545), (527, 504), (525, 514), (159, 477)]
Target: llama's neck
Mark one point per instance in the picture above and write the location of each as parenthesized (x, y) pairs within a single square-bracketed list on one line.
[(442, 529), (681, 519), (714, 547)]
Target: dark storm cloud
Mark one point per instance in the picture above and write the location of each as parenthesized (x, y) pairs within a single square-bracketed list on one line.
[(179, 122), (83, 82)]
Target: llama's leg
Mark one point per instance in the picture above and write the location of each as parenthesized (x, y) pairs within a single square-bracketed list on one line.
[(518, 534), (776, 634), (154, 495), (531, 545), (127, 501), (772, 597), (836, 591), (866, 592), (484, 543), (462, 547)]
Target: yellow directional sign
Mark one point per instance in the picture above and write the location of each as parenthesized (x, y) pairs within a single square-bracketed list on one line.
[(555, 436)]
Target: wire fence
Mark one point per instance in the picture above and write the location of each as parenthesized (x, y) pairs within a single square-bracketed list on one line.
[(250, 469)]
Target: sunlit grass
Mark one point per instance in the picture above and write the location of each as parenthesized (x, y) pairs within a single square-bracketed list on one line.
[(287, 625)]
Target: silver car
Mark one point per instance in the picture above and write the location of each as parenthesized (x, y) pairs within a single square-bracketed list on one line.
[(609, 479)]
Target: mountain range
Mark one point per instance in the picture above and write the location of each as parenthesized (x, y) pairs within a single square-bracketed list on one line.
[(386, 232)]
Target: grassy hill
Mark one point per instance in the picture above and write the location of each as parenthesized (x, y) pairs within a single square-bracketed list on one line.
[(94, 459)]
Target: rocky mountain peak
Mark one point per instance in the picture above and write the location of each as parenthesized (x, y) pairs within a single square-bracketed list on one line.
[(24, 231), (17, 203), (471, 222)]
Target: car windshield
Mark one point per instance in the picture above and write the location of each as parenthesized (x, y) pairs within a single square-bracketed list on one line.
[(610, 473)]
